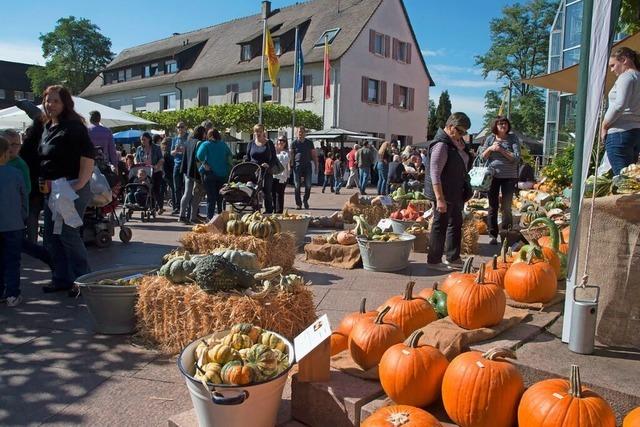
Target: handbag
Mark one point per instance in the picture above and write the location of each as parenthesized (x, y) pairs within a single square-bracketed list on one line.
[(276, 168), (480, 176)]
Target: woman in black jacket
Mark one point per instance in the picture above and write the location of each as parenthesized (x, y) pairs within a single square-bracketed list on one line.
[(193, 189)]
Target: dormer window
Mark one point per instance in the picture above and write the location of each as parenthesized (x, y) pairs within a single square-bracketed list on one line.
[(330, 35), (276, 46), (245, 53), (171, 67)]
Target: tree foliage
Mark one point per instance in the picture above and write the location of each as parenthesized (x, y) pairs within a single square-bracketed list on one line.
[(443, 111), (242, 117), (432, 127), (75, 52), (492, 102), (629, 22)]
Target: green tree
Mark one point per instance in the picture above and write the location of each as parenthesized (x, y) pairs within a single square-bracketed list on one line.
[(443, 111), (432, 128), (492, 102), (75, 52), (629, 22)]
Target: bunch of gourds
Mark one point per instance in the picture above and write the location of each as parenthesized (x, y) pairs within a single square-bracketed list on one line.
[(246, 355), (255, 224), (366, 231)]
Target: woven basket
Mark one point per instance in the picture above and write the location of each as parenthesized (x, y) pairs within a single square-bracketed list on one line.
[(533, 234)]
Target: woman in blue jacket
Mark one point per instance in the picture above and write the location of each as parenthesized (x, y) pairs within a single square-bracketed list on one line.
[(215, 164)]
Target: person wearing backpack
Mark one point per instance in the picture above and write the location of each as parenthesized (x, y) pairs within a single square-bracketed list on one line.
[(215, 164)]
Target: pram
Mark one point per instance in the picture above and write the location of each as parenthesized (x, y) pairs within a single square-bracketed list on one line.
[(139, 196), (243, 190)]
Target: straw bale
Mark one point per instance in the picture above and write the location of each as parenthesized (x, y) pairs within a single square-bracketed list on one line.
[(470, 237), (279, 249), (174, 315)]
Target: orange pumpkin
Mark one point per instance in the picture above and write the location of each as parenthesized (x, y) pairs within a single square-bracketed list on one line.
[(482, 389), (476, 303), (558, 402), (505, 258), (401, 415), (340, 337), (563, 246), (495, 272), (339, 343), (565, 233), (411, 374), (531, 279), (552, 258), (632, 419), (370, 338), (409, 313), (346, 238), (452, 279)]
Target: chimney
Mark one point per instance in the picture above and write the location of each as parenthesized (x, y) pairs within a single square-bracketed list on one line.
[(266, 9)]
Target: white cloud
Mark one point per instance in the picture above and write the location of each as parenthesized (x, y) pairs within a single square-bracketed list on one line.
[(454, 69), (29, 53), (437, 52), (468, 83)]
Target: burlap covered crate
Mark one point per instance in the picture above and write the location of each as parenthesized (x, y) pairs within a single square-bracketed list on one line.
[(372, 213)]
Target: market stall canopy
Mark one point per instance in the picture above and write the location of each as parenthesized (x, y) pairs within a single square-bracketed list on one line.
[(566, 80), (338, 134), (15, 118)]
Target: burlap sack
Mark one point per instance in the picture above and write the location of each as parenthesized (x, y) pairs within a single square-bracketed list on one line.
[(340, 256), (614, 265), (537, 305)]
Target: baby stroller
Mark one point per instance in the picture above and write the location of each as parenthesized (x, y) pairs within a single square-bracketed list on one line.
[(138, 196), (244, 188), (99, 222)]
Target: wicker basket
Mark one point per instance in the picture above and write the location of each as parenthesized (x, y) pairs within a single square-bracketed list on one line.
[(533, 234)]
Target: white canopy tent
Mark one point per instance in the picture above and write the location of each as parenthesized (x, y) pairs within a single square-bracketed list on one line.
[(15, 118)]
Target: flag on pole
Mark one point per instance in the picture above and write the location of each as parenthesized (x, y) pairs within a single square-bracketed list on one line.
[(299, 65), (327, 70), (272, 59), (504, 97)]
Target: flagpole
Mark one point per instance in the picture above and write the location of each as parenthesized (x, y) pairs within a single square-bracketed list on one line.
[(324, 81), (295, 75), (261, 91)]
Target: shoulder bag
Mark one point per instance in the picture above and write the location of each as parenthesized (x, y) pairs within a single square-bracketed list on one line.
[(480, 175)]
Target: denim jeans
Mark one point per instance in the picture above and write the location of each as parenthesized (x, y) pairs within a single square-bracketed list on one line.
[(506, 186), (277, 195), (190, 199), (353, 179), (301, 172), (178, 186), (383, 170), (365, 174), (167, 182), (10, 248), (446, 234), (623, 149), (212, 186), (67, 250), (328, 181), (338, 183)]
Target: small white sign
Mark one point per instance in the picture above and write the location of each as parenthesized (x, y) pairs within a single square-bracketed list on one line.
[(385, 224), (312, 337)]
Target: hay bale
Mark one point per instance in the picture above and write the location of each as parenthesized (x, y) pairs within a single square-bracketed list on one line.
[(279, 249), (174, 315), (469, 236)]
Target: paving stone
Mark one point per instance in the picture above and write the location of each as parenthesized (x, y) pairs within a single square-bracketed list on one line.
[(349, 300), (164, 368), (335, 403), (384, 285), (436, 410), (318, 295)]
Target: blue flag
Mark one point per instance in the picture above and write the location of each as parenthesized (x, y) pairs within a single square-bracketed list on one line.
[(299, 65)]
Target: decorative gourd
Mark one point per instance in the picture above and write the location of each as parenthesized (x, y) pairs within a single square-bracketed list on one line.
[(558, 402), (236, 227), (237, 341), (437, 299), (340, 337), (505, 258), (482, 389), (531, 213), (245, 259), (495, 272), (222, 354), (411, 374), (476, 303), (282, 361), (400, 416), (263, 228), (531, 279), (370, 338), (237, 372), (264, 358), (632, 419), (346, 238), (409, 313), (452, 279), (553, 246), (248, 329), (178, 269), (211, 373), (481, 226), (272, 340)]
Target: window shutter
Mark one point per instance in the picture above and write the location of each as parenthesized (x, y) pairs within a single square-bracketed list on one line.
[(308, 96), (255, 92), (372, 41), (408, 53), (393, 137), (410, 95), (387, 46), (394, 52), (365, 88), (395, 95), (383, 93), (203, 96), (276, 91), (409, 139)]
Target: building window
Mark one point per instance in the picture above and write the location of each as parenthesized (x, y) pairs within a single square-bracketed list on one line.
[(232, 93), (570, 57), (18, 95), (267, 94), (403, 51), (330, 35), (403, 97), (306, 93), (378, 46), (167, 101), (120, 75), (203, 96), (128, 74), (171, 67), (277, 46), (245, 53), (3, 94), (30, 96), (373, 91), (114, 103), (139, 103), (573, 25), (150, 70)]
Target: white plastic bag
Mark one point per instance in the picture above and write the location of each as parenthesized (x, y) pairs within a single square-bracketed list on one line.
[(100, 189), (62, 207)]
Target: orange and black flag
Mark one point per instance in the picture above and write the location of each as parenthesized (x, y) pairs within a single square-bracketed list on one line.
[(272, 59)]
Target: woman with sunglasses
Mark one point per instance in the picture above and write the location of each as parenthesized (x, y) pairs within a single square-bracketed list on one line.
[(501, 150)]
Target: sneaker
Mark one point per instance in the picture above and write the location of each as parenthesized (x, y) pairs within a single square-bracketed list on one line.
[(298, 207), (323, 191), (306, 205), (439, 267), (454, 265), (14, 301), (175, 212), (184, 220)]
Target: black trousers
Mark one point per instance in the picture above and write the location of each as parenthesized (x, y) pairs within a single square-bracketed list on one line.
[(278, 195), (446, 233), (506, 186)]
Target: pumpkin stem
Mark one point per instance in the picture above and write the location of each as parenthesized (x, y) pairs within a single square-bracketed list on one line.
[(380, 316), (494, 265), (408, 291), (480, 278), (363, 304), (467, 267), (435, 286), (414, 338), (398, 419), (503, 251), (554, 233), (575, 385), (499, 352)]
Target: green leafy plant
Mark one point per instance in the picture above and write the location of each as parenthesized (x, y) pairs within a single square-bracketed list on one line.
[(560, 170)]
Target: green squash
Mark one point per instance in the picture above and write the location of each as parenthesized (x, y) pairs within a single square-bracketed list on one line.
[(282, 360), (244, 259), (554, 235), (237, 372), (236, 227), (272, 340), (438, 301), (237, 341), (222, 353), (248, 329), (264, 358)]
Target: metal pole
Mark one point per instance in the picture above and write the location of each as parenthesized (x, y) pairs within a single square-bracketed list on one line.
[(335, 97), (324, 81), (295, 75), (261, 91)]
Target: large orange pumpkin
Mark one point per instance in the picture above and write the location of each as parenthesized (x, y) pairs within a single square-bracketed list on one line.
[(551, 246), (400, 416), (563, 246), (411, 374), (452, 279), (531, 279), (475, 303), (632, 419), (565, 233), (558, 402), (340, 336), (370, 338), (495, 272), (482, 389), (409, 313)]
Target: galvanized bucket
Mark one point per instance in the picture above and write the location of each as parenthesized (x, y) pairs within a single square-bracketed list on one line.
[(298, 227), (399, 226), (386, 256)]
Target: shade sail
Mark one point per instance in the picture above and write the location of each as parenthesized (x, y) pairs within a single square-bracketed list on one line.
[(566, 80), (15, 118)]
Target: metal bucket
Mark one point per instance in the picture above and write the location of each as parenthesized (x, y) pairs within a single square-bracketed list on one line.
[(112, 308), (253, 405), (583, 322), (296, 226), (399, 226), (386, 256)]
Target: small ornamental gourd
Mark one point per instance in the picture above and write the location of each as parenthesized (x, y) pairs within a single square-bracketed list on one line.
[(632, 419), (273, 341), (370, 338), (531, 279), (411, 374), (559, 403), (211, 373), (236, 227), (482, 389), (476, 303), (237, 372), (452, 279), (437, 299), (178, 269), (248, 329), (346, 238), (400, 416), (409, 313), (222, 353), (531, 213), (340, 337), (244, 259), (282, 361), (264, 358), (237, 341)]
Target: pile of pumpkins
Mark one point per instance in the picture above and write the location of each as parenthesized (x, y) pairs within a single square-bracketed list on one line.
[(254, 224), (246, 355)]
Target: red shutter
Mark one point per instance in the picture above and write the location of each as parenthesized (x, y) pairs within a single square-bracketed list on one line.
[(394, 52), (383, 93), (408, 53), (255, 91), (395, 96), (387, 46), (276, 91), (372, 41), (410, 95), (365, 89)]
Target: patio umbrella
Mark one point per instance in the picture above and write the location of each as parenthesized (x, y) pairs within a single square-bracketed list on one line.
[(15, 118), (127, 134)]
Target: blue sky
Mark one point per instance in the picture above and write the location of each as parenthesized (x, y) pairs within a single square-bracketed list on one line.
[(449, 37)]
